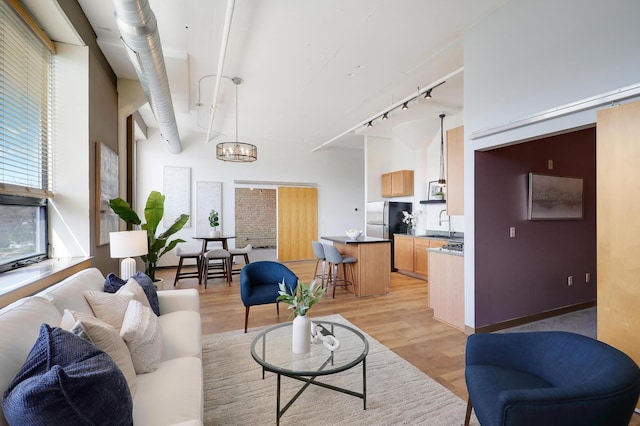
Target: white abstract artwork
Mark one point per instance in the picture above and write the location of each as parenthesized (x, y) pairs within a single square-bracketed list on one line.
[(177, 192), (208, 196)]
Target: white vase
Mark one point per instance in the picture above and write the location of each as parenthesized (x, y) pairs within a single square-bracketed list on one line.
[(301, 339), (214, 233)]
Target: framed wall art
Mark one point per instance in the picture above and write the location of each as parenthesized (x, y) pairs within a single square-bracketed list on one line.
[(436, 192), (106, 189), (555, 197)]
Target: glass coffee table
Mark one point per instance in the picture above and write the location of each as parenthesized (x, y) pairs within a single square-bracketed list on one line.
[(272, 350)]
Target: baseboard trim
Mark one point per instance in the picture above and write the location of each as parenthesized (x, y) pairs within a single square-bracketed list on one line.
[(531, 318)]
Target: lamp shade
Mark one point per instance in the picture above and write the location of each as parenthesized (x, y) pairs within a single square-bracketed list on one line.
[(128, 244)]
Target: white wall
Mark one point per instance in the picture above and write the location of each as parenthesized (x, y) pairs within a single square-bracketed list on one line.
[(529, 57), (70, 224), (338, 173)]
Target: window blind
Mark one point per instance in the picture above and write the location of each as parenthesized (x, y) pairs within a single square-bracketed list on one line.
[(26, 95)]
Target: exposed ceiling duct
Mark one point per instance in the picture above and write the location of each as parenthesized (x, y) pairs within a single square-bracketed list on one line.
[(139, 31)]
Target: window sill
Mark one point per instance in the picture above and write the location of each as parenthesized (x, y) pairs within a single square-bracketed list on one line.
[(31, 279)]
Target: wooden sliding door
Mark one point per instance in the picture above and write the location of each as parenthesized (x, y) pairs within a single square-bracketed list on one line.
[(297, 222)]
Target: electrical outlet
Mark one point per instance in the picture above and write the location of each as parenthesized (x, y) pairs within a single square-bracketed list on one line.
[(587, 277), (512, 232), (570, 280)]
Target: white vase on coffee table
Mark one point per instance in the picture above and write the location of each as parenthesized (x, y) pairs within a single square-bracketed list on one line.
[(301, 338)]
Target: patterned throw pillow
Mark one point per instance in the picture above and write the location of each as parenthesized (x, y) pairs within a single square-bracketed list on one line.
[(143, 335), (66, 380), (105, 337)]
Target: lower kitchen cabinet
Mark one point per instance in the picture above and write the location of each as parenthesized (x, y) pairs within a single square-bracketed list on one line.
[(446, 288), (411, 256)]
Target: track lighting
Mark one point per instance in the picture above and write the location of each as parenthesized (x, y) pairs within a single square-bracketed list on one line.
[(404, 105)]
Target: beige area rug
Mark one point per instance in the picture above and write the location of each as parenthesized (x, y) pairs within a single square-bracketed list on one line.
[(397, 392)]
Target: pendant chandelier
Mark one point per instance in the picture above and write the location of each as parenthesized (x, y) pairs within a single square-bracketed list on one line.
[(442, 181), (239, 152)]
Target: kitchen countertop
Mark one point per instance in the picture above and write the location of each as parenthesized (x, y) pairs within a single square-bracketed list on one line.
[(442, 250), (360, 240)]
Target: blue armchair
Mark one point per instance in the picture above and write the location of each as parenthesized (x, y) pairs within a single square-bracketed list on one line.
[(259, 284), (549, 378)]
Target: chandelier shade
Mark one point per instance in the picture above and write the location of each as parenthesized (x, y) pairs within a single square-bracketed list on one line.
[(238, 152)]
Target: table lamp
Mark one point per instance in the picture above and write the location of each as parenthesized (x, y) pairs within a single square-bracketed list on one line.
[(125, 245)]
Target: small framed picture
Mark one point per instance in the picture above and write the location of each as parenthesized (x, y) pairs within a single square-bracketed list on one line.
[(436, 192)]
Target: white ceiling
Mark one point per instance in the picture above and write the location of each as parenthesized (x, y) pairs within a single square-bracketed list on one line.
[(311, 69)]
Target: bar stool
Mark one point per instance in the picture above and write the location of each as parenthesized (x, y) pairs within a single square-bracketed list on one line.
[(186, 251), (318, 252), (244, 252), (222, 261), (333, 256)]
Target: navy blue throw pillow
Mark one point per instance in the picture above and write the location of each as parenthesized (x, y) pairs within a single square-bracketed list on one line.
[(149, 289), (113, 283), (66, 380)]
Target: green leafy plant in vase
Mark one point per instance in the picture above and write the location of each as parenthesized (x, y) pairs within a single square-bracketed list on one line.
[(301, 299), (214, 222), (158, 245)]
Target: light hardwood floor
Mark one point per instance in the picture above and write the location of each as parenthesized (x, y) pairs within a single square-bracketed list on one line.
[(400, 320)]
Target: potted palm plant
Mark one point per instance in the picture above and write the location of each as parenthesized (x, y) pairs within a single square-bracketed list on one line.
[(301, 299), (158, 245)]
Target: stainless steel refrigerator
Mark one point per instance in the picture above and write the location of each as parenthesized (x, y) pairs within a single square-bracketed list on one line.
[(384, 218)]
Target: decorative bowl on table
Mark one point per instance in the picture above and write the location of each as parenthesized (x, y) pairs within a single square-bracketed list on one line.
[(353, 233)]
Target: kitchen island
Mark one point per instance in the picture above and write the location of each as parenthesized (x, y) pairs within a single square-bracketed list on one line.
[(372, 271)]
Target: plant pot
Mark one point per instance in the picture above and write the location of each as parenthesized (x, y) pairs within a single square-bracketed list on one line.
[(214, 233), (301, 338), (159, 283)]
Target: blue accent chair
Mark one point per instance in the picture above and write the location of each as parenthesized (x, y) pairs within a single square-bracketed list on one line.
[(259, 284), (549, 378)]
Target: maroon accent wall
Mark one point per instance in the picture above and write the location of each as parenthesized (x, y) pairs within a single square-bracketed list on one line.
[(526, 275)]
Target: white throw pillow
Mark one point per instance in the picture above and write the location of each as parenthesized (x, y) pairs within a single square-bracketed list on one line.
[(106, 338), (143, 335), (109, 307)]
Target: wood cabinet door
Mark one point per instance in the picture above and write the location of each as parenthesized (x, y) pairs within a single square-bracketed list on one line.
[(402, 183), (403, 252), (455, 171), (386, 184), (421, 256)]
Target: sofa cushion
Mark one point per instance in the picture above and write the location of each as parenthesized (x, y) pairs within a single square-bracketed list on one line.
[(20, 326), (182, 334), (142, 332), (182, 393), (113, 283), (106, 338), (59, 381), (67, 294)]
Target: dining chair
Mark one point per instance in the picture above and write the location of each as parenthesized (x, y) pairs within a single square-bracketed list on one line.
[(244, 252), (188, 251)]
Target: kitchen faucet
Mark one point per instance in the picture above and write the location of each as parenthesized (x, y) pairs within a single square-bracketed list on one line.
[(447, 220)]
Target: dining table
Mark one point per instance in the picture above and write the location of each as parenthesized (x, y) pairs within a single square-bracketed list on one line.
[(206, 239)]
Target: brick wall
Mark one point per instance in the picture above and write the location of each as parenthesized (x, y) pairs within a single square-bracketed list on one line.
[(256, 217)]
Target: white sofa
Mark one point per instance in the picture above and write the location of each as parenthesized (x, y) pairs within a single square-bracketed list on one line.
[(172, 394)]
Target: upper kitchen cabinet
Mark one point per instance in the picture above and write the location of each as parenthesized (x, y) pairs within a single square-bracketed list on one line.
[(455, 171), (397, 184)]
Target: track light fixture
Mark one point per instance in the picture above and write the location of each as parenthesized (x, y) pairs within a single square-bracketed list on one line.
[(405, 104)]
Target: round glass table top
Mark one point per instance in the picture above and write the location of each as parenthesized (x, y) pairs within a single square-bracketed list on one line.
[(272, 349)]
